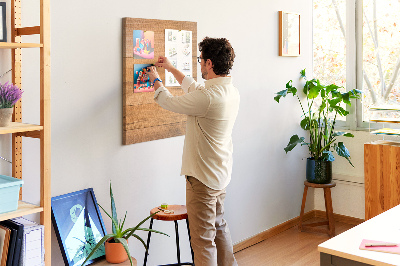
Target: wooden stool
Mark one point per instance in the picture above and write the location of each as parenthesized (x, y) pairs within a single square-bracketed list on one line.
[(180, 213), (328, 207)]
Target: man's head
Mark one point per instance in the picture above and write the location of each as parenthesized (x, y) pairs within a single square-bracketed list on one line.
[(217, 55)]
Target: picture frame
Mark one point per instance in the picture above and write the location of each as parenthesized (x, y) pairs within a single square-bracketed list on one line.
[(78, 226), (3, 22), (289, 34)]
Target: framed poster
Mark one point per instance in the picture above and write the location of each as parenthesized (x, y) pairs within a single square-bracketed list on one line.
[(289, 34), (78, 226), (3, 24)]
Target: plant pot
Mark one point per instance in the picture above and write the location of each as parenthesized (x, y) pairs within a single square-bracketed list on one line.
[(319, 172), (6, 116), (115, 252)]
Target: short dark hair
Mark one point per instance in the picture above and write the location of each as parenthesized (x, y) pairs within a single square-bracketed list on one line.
[(220, 52)]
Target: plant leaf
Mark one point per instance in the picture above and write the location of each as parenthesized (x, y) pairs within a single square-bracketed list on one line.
[(113, 211), (343, 151), (140, 239), (303, 73), (126, 247), (115, 223), (305, 123), (349, 135), (133, 229), (152, 230), (294, 140), (102, 240), (327, 156)]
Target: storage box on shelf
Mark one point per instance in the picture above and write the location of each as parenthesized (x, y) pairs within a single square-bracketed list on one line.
[(9, 193)]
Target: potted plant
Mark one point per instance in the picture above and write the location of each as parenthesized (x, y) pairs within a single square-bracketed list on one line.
[(116, 243), (324, 105), (9, 95)]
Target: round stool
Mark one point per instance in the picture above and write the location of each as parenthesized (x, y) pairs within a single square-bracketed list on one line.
[(179, 213), (328, 207)]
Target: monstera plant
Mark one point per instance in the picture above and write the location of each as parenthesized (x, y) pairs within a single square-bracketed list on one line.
[(323, 104)]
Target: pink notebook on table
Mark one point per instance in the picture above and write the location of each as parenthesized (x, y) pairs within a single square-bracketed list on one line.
[(389, 249)]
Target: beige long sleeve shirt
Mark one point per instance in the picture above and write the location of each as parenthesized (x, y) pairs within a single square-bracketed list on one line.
[(211, 113)]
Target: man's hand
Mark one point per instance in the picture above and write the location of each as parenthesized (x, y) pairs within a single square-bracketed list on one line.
[(165, 63), (152, 72)]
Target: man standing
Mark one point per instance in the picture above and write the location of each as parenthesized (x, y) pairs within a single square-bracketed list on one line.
[(207, 154)]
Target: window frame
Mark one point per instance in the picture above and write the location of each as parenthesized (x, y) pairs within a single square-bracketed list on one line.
[(354, 69)]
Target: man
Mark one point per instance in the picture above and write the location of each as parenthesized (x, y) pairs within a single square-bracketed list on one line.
[(207, 155)]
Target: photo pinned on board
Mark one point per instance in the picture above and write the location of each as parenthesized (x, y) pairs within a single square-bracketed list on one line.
[(143, 44), (141, 80)]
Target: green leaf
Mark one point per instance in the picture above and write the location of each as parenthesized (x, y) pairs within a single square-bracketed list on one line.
[(133, 229), (343, 151), (140, 239), (303, 73), (115, 223), (346, 98), (280, 94), (101, 242), (349, 135), (333, 102), (113, 211), (126, 247), (327, 156), (331, 87), (313, 92), (294, 140), (305, 123)]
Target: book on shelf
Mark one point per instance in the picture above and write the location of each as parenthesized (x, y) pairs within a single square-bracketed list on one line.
[(32, 250), (11, 245), (15, 254), (5, 234)]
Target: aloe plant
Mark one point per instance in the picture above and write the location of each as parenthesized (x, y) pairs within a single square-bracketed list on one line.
[(119, 234), (320, 124)]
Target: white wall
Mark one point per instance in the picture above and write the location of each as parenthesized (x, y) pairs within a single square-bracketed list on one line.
[(267, 184)]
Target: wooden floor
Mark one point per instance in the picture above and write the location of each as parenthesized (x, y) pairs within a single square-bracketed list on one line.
[(290, 247)]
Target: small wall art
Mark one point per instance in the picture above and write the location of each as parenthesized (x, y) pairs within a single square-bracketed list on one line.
[(78, 226), (3, 23), (289, 34)]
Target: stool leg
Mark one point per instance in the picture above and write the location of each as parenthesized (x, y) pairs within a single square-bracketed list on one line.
[(178, 252), (148, 242), (190, 240), (329, 211), (303, 204)]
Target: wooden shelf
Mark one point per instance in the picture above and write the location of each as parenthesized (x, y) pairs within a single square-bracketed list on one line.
[(10, 45), (24, 208), (16, 127)]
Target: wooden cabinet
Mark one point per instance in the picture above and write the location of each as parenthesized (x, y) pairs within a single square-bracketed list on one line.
[(18, 129), (382, 177)]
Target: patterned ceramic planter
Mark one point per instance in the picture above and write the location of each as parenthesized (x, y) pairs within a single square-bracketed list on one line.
[(319, 172)]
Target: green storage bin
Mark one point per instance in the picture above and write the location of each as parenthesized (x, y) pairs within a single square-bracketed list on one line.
[(9, 193)]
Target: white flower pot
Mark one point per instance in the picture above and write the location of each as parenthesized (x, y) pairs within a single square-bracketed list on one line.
[(5, 116)]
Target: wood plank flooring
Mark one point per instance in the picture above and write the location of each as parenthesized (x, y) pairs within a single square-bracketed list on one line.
[(290, 247)]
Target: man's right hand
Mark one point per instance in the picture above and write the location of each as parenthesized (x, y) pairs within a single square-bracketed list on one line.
[(165, 63)]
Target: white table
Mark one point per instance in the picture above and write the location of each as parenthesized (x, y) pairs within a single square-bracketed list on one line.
[(344, 248)]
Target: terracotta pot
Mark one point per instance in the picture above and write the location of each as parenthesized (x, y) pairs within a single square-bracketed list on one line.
[(115, 252), (5, 116)]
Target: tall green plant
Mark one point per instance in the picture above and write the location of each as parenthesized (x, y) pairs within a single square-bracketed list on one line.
[(118, 233), (320, 123)]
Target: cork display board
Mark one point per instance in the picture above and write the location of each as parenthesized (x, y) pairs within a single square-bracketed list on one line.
[(144, 40)]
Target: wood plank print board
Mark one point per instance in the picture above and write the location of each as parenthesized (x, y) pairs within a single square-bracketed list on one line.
[(143, 119)]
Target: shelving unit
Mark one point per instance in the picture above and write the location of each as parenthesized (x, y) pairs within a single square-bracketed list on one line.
[(42, 131)]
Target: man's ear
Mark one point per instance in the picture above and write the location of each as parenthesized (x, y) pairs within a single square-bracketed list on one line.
[(209, 63)]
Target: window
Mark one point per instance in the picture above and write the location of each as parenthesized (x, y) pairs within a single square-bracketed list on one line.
[(363, 53)]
